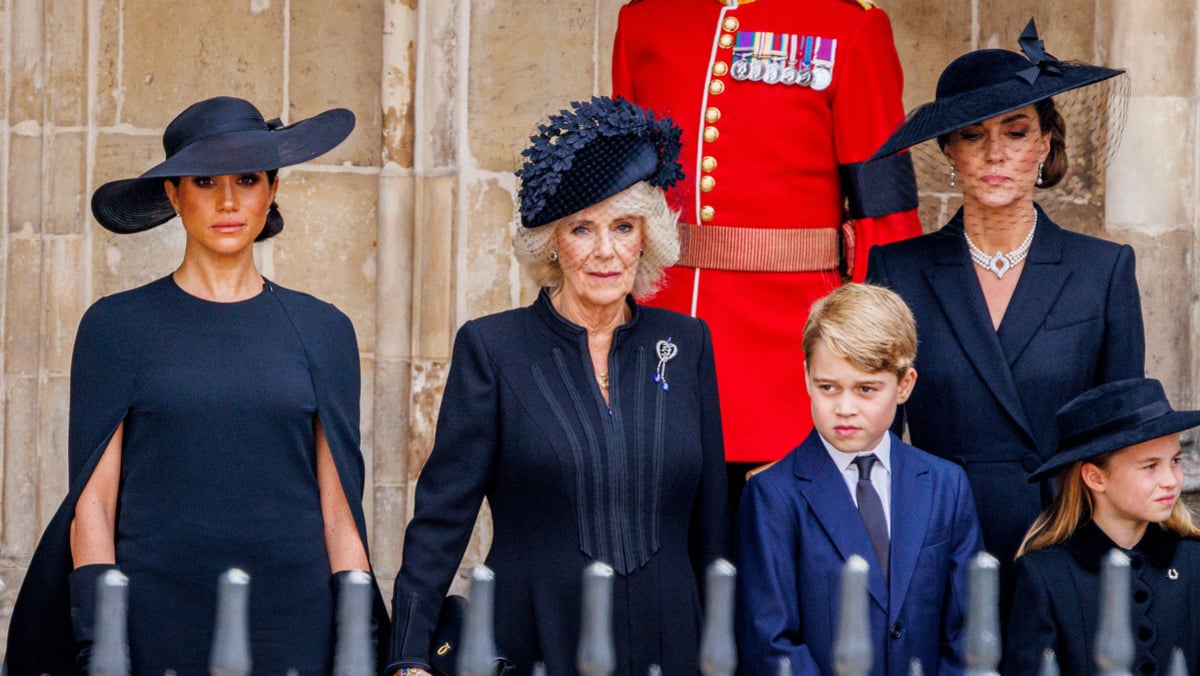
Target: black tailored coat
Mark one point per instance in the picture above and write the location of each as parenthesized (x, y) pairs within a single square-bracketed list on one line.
[(986, 398), (1058, 607), (638, 483)]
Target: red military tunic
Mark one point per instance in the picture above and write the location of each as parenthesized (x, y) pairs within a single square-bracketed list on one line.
[(777, 161)]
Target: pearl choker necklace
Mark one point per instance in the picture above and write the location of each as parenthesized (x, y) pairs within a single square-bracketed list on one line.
[(1001, 262)]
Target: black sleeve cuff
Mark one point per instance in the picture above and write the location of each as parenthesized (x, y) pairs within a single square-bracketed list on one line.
[(880, 187)]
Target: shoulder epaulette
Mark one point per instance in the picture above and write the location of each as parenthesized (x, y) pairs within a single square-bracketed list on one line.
[(867, 4)]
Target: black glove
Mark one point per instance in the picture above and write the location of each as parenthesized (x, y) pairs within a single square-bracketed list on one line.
[(335, 583), (82, 583)]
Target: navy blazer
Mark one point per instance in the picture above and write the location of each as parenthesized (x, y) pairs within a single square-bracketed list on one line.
[(986, 398), (1059, 603), (798, 524)]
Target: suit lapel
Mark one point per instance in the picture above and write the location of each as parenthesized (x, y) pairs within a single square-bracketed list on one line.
[(951, 281), (910, 518), (1041, 282), (824, 489)]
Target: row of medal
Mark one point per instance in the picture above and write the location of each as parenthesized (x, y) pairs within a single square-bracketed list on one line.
[(784, 58)]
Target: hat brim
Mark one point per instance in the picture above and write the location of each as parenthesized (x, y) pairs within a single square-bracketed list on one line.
[(137, 204), (1175, 421), (943, 116)]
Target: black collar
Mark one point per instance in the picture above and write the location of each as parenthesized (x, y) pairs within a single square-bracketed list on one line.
[(1088, 545)]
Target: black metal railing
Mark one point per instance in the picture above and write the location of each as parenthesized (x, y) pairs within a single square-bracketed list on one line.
[(596, 653)]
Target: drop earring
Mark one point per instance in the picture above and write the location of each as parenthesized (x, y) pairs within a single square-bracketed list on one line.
[(553, 256), (953, 176), (1039, 178)]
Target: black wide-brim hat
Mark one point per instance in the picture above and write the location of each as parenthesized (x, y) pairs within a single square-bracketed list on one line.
[(1111, 417), (591, 152), (222, 135), (983, 84)]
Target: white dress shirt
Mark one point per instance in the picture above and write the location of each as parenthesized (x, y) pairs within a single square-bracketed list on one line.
[(881, 472)]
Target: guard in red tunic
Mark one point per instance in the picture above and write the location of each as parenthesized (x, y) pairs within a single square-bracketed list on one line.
[(781, 102)]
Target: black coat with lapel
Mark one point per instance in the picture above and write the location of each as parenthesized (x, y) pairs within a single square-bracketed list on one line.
[(986, 398)]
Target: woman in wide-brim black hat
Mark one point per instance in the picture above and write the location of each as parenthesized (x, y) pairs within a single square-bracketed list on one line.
[(590, 422), (213, 425), (1016, 315), (1119, 480)]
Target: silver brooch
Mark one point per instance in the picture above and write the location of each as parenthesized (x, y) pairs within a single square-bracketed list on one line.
[(666, 352), (1172, 574)]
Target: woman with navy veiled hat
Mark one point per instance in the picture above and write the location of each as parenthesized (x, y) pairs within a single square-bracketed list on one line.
[(1016, 315), (213, 425), (588, 421)]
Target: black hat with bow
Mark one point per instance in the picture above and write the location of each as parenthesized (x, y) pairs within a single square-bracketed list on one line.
[(988, 82)]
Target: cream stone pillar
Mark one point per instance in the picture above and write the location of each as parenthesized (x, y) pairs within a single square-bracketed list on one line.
[(393, 313), (1152, 184), (44, 117)]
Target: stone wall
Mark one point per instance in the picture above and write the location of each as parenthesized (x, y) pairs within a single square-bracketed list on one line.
[(406, 226)]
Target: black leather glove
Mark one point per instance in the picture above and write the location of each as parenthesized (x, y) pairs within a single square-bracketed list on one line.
[(82, 583), (335, 583)]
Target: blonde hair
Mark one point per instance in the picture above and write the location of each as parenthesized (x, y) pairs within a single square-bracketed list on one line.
[(869, 326), (660, 240), (1073, 506)]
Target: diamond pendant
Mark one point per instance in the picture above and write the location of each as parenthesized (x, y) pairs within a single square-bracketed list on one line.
[(999, 264)]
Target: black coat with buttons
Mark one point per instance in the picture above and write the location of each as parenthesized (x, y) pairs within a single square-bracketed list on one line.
[(986, 397), (1057, 603)]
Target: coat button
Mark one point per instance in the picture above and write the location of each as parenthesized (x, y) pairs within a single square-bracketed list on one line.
[(716, 87), (710, 134), (897, 631), (725, 41), (707, 213), (712, 114), (720, 68), (708, 164), (707, 183), (730, 24), (1031, 461)]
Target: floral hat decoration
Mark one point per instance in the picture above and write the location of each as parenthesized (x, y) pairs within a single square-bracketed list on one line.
[(988, 82), (591, 152)]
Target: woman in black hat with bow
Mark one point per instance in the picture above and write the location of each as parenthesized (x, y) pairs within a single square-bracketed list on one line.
[(1015, 314), (589, 422), (1119, 481), (214, 424)]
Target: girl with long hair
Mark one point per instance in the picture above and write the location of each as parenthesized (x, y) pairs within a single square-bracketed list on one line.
[(1119, 479)]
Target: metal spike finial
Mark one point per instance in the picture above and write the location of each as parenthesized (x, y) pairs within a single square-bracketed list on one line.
[(596, 655), (1178, 663), (983, 623), (852, 653), (110, 654), (230, 655), (352, 655), (718, 650), (477, 657), (1049, 664), (1114, 639)]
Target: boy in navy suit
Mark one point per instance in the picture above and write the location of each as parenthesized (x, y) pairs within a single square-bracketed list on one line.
[(909, 514)]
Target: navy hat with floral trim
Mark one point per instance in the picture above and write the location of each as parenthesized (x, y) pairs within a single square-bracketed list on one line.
[(585, 155)]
